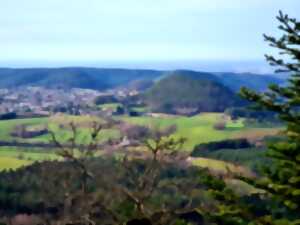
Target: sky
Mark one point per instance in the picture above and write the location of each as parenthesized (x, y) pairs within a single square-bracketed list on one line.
[(158, 34)]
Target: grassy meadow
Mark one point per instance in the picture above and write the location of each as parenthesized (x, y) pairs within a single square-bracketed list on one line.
[(200, 128), (10, 163), (220, 167), (7, 126), (197, 129)]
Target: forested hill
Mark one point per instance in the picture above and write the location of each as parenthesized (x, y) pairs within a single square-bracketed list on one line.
[(253, 81), (91, 78), (96, 78), (234, 81), (186, 94)]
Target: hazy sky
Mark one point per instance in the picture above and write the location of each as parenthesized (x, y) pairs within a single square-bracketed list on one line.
[(88, 31)]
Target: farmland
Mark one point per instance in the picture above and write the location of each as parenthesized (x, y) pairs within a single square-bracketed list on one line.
[(197, 129), (200, 128), (58, 125), (7, 163)]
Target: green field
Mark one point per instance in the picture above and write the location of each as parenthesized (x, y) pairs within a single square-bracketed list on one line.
[(13, 158), (139, 109), (7, 126), (112, 106), (200, 129), (7, 163), (220, 166), (53, 123), (29, 154), (197, 129)]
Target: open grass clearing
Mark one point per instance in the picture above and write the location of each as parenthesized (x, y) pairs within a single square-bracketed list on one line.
[(30, 154), (109, 106), (200, 128), (7, 126), (11, 163), (221, 167)]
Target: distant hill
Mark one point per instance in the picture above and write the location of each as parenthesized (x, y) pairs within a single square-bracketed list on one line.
[(100, 79), (187, 93), (140, 84), (91, 78), (254, 81), (234, 81), (194, 75)]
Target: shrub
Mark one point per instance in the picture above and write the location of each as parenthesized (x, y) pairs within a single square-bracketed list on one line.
[(8, 116), (135, 132), (220, 125), (134, 113), (105, 99)]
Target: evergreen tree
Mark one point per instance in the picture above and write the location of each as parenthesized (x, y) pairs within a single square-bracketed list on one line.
[(282, 181)]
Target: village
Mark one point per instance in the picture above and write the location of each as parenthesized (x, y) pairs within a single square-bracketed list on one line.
[(28, 102)]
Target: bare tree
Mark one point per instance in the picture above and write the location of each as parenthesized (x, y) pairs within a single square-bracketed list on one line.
[(78, 155), (138, 182)]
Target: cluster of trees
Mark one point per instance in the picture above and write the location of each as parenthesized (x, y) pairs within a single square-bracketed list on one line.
[(70, 108), (253, 158), (283, 178), (192, 95), (105, 99), (8, 116), (218, 145), (126, 105), (242, 112)]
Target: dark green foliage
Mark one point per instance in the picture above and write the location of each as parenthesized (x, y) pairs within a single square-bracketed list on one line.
[(105, 99), (70, 108), (182, 94), (133, 113), (119, 110), (233, 81), (41, 188), (283, 179), (144, 221), (217, 145), (260, 116), (8, 116), (253, 158)]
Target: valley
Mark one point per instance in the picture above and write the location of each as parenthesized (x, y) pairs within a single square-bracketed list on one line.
[(197, 129), (111, 119), (129, 112), (182, 120), (145, 100)]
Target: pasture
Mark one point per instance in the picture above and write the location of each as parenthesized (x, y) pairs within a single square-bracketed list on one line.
[(108, 106), (220, 167), (7, 126), (11, 163), (197, 129), (200, 128), (59, 125), (15, 157)]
